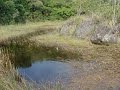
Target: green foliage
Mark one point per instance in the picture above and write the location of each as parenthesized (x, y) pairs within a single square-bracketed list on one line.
[(62, 13), (18, 11), (51, 9), (7, 11), (20, 17)]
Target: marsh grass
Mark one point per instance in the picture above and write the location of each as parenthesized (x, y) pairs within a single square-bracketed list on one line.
[(48, 39), (17, 35), (10, 79), (84, 48), (71, 46), (20, 29)]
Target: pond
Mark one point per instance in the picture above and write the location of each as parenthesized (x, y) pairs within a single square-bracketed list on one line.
[(50, 66), (47, 71), (41, 65)]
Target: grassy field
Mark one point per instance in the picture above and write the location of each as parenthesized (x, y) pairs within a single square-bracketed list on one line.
[(20, 29)]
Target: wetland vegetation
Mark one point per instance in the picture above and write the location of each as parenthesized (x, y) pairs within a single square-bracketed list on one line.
[(59, 45)]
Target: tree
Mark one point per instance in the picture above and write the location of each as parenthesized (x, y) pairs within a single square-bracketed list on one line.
[(18, 11), (7, 11), (20, 17)]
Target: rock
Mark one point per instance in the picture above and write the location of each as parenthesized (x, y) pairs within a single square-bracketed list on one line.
[(66, 27), (118, 28), (118, 31), (90, 29), (104, 35), (65, 30), (84, 29), (78, 27)]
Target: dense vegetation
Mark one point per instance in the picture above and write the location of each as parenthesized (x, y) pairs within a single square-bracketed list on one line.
[(20, 11), (15, 11)]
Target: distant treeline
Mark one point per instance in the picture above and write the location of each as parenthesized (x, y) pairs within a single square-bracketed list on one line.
[(19, 11)]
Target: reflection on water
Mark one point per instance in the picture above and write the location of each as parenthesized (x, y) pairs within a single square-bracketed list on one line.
[(24, 56), (22, 53), (47, 71)]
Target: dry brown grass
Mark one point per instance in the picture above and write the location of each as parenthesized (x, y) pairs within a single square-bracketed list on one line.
[(20, 29), (88, 50)]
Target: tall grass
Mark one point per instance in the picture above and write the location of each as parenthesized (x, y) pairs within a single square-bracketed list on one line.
[(10, 80), (20, 29)]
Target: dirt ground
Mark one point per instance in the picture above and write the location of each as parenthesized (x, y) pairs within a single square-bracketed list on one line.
[(95, 75)]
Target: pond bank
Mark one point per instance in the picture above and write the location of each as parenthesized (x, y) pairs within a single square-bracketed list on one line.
[(20, 33), (85, 48)]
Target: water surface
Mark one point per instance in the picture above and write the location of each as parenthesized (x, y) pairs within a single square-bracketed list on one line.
[(47, 71)]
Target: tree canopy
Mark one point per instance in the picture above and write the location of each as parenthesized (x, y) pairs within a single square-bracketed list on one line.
[(18, 11)]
